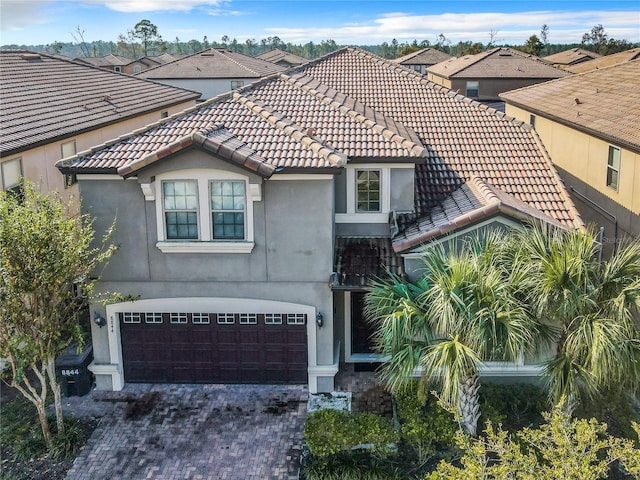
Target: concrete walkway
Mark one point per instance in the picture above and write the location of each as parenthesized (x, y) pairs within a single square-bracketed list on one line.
[(176, 432)]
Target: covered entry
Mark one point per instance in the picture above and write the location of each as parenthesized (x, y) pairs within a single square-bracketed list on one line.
[(212, 341)]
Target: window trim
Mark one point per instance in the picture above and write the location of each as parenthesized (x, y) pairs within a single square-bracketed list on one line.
[(13, 186), (352, 215), (610, 167), (204, 243)]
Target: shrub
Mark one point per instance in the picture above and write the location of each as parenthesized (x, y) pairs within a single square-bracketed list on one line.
[(354, 466), (424, 425), (67, 445), (328, 432), (514, 405), (30, 447)]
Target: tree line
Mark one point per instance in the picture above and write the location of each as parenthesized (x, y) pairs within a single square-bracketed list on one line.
[(144, 39)]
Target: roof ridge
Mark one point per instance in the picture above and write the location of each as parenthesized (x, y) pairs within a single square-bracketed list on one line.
[(231, 59), (394, 135), (284, 124), (147, 128)]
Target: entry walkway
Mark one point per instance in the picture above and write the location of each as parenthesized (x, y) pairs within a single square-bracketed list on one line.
[(177, 432)]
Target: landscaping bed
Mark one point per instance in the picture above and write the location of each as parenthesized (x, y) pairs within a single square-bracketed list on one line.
[(22, 448)]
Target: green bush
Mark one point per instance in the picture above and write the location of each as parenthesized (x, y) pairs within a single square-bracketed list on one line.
[(328, 432), (67, 445), (513, 405), (352, 466), (424, 425), (30, 447)]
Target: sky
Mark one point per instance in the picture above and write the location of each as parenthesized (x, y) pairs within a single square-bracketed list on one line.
[(348, 22)]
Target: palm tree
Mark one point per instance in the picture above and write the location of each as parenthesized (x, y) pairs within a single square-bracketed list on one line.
[(594, 305), (465, 310)]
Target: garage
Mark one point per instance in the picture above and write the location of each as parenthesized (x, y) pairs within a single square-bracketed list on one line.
[(213, 347)]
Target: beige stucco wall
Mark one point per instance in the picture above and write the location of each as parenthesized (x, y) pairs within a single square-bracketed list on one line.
[(38, 164), (585, 157), (439, 80)]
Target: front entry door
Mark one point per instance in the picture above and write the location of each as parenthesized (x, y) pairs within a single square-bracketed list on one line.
[(361, 330)]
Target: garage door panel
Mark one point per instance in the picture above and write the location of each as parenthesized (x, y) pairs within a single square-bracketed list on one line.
[(214, 348)]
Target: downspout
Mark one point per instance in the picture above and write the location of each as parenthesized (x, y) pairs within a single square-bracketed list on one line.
[(606, 212)]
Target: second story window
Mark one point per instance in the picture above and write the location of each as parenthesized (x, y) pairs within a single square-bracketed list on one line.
[(236, 84), (227, 209), (613, 167), (204, 211), (68, 149), (473, 89), (10, 174), (180, 200), (532, 120), (367, 190), (136, 69)]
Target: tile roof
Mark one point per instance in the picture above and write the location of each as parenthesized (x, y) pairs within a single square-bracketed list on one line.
[(571, 56), (351, 104), (214, 63), (44, 97), (606, 61), (473, 201), (426, 56), (276, 56), (105, 61), (604, 102), (463, 137), (500, 62), (357, 260)]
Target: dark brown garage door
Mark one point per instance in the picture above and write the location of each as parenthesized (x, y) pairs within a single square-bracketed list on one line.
[(214, 347)]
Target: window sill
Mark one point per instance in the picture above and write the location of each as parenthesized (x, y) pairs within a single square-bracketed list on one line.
[(205, 247)]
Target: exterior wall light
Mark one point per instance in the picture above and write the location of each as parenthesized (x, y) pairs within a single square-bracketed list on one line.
[(99, 319), (319, 319)]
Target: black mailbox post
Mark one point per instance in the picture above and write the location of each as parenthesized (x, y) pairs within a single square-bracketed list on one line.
[(71, 366)]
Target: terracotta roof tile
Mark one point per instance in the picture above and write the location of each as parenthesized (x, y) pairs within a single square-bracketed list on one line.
[(590, 101), (354, 104), (214, 63), (499, 62), (43, 97)]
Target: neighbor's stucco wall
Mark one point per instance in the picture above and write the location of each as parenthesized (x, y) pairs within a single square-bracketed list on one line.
[(38, 164), (490, 88), (582, 162)]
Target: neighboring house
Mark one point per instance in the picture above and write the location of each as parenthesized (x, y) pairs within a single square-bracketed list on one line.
[(282, 58), (115, 63), (605, 61), (212, 72), (570, 57), (52, 108), (423, 59), (589, 125), (253, 222), (486, 75)]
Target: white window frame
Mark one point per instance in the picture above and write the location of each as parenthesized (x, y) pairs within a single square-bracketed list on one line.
[(273, 319), (153, 318), (200, 318), (178, 318), (353, 216), (226, 319), (205, 243), (248, 319), (3, 173), (131, 317), (614, 185)]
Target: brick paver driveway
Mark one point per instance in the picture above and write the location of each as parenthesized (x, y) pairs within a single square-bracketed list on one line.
[(172, 432)]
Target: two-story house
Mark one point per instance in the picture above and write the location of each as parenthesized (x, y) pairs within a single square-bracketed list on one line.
[(212, 72), (589, 125), (250, 225), (486, 75), (52, 108)]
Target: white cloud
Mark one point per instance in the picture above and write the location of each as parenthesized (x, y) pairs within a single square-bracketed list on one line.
[(16, 15), (513, 28)]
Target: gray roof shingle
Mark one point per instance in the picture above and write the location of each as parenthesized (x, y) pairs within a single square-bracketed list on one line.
[(44, 97)]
